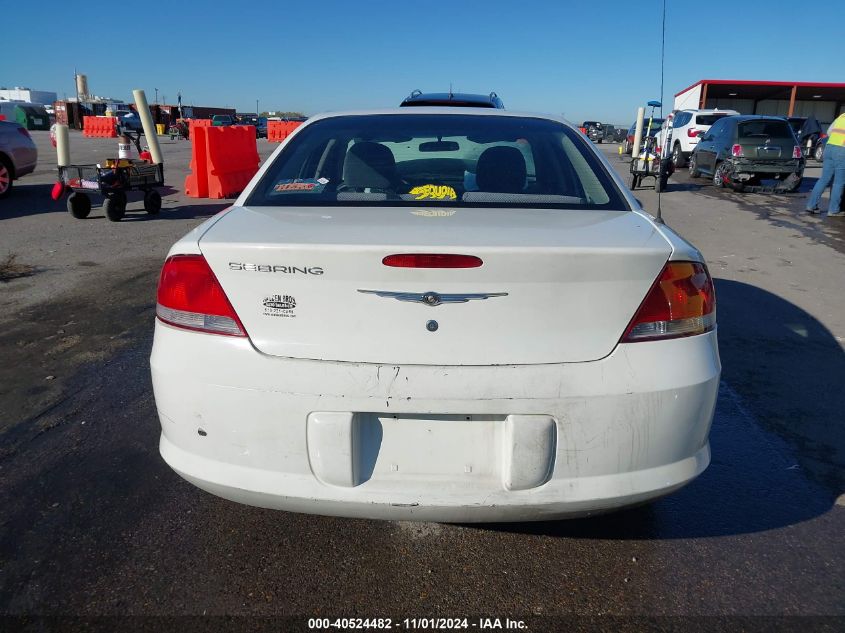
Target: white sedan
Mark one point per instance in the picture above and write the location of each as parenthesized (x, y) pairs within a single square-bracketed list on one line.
[(438, 314)]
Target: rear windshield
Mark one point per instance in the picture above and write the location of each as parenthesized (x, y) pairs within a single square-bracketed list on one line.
[(708, 119), (796, 124), (437, 160), (764, 129)]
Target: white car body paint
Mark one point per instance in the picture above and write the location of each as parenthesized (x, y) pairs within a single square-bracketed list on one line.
[(521, 407)]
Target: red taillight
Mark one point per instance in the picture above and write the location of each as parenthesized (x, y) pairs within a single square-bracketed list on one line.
[(692, 132), (682, 302), (189, 296), (796, 152), (429, 260), (24, 131), (736, 150)]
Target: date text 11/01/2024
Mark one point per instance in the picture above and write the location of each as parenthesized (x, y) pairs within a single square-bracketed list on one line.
[(417, 624)]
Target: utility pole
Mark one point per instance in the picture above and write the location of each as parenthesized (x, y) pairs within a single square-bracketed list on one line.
[(156, 89)]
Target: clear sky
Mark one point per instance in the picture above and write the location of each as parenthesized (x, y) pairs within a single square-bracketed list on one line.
[(587, 59)]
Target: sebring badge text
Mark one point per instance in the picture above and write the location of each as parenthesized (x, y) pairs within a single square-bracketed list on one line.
[(272, 268)]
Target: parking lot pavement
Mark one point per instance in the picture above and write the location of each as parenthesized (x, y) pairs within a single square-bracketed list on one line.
[(94, 523)]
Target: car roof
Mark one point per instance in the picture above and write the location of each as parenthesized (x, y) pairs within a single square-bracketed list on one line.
[(445, 111), (709, 111), (452, 99), (757, 117)]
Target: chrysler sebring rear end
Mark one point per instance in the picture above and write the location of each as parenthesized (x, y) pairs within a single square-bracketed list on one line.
[(440, 316)]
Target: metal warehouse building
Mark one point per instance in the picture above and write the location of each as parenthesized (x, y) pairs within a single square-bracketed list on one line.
[(775, 98), (44, 97)]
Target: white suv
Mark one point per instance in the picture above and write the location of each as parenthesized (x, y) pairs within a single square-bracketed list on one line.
[(688, 126)]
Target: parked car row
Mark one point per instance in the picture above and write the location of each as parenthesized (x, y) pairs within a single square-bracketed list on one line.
[(225, 120), (688, 126), (741, 151), (594, 130), (602, 132)]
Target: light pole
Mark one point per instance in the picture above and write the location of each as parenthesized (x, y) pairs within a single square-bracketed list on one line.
[(257, 112), (156, 89)]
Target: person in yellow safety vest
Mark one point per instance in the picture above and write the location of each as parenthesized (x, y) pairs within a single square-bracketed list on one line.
[(833, 171)]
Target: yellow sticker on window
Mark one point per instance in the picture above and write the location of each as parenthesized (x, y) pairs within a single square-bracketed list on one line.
[(434, 192)]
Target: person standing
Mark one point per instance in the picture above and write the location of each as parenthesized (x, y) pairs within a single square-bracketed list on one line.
[(833, 171)]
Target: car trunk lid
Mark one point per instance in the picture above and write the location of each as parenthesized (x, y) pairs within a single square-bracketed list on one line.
[(554, 286)]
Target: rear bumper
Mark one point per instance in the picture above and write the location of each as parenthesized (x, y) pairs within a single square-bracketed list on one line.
[(558, 499), (488, 443), (768, 167)]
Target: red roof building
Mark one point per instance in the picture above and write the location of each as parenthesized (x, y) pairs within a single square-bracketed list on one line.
[(776, 98)]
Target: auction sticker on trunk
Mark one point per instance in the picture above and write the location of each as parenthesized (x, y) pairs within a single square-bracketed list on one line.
[(280, 306)]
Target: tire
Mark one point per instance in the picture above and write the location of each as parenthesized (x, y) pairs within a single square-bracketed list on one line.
[(79, 205), (115, 206), (678, 156), (152, 202), (693, 167), (6, 177), (718, 172), (818, 153)]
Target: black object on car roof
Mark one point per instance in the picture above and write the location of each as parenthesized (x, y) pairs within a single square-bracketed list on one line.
[(461, 100)]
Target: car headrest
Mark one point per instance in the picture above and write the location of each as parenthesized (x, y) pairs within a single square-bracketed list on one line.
[(501, 170), (369, 165)]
